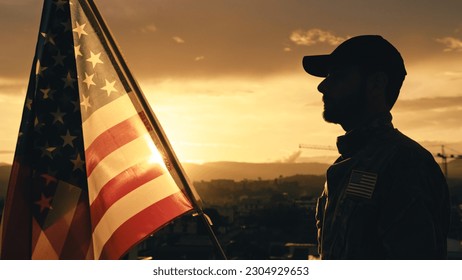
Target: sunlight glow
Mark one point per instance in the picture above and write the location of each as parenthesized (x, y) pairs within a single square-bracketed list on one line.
[(155, 157)]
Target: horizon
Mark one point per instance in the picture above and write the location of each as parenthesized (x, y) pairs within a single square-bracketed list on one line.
[(235, 90), (210, 171)]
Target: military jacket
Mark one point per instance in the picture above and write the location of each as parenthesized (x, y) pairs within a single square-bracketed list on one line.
[(385, 198)]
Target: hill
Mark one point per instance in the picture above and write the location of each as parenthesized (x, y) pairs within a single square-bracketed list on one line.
[(252, 171), (225, 170), (455, 168)]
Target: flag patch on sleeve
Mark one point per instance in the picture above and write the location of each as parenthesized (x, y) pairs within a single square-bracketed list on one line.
[(361, 184)]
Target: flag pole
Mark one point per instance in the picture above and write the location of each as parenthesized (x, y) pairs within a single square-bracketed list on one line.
[(157, 128)]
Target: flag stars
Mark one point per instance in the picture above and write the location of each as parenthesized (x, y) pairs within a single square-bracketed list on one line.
[(78, 163), (80, 29), (67, 25), (47, 93), (29, 103), (94, 59), (77, 51), (68, 139), (68, 81), (59, 59), (38, 124), (48, 179), (109, 87), (85, 102), (39, 68), (44, 202), (76, 105), (60, 4), (49, 38), (58, 116), (47, 151), (89, 80)]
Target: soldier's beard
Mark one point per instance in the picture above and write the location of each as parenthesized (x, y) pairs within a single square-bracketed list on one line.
[(345, 111)]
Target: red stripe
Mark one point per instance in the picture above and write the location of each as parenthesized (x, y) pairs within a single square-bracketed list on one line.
[(112, 139), (17, 214), (143, 224), (121, 185)]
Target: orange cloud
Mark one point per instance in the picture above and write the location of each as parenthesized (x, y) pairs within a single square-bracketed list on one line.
[(314, 36), (150, 28), (451, 43), (178, 40)]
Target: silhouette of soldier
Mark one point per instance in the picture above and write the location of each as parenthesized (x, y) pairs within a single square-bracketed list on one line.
[(385, 197)]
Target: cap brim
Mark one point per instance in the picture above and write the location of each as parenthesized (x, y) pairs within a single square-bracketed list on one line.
[(317, 65)]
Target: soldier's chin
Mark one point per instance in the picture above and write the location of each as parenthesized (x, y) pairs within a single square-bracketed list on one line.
[(330, 117)]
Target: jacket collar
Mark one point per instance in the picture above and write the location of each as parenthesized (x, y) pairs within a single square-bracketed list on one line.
[(358, 138)]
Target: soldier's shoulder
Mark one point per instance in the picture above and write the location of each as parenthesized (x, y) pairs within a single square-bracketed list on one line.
[(406, 147)]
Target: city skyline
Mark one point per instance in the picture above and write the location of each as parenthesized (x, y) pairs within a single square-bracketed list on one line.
[(225, 77)]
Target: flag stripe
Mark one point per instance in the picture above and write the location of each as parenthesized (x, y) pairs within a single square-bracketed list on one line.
[(106, 117), (42, 249), (115, 163), (15, 224), (171, 206), (77, 245), (363, 186), (366, 181), (111, 139), (121, 185), (56, 229), (361, 194), (350, 188), (136, 201)]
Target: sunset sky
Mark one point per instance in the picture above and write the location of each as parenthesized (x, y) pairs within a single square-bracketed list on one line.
[(225, 79)]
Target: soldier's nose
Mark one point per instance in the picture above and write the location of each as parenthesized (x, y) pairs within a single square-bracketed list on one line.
[(322, 86)]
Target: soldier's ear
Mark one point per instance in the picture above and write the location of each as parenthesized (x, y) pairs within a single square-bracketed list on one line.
[(377, 81)]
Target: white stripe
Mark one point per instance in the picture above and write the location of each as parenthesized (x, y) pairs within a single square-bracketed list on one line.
[(130, 154), (106, 117), (130, 205), (368, 180), (362, 185)]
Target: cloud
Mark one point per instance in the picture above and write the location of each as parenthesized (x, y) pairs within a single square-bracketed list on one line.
[(199, 58), (452, 75), (435, 118), (293, 157), (451, 43), (12, 86), (424, 104), (432, 124), (178, 40), (315, 36), (150, 28)]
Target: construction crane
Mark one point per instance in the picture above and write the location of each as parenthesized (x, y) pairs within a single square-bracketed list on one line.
[(445, 157), (317, 147)]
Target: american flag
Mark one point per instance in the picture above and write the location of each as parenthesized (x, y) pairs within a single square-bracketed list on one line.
[(89, 178), (361, 184)]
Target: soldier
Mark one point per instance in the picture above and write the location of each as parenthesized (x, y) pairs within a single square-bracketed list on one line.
[(385, 197)]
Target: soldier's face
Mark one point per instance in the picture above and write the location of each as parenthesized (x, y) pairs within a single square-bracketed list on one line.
[(343, 94)]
